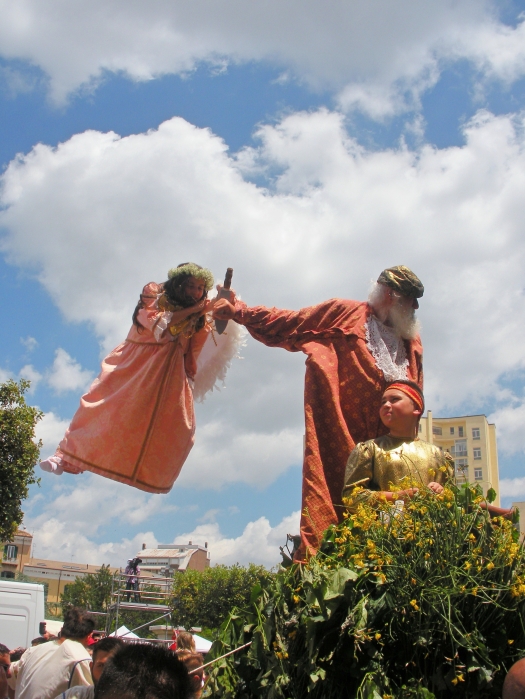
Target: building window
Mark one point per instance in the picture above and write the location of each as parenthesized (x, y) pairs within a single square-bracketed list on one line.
[(460, 448), (477, 453), (10, 552), (461, 467), (7, 574), (451, 430), (478, 474), (475, 433), (460, 432), (437, 430)]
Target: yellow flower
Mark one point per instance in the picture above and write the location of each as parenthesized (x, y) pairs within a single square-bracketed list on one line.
[(377, 636), (296, 599), (510, 641), (468, 565), (413, 602)]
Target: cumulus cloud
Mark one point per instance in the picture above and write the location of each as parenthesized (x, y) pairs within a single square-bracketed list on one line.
[(512, 488), (66, 374), (332, 216), (50, 430), (258, 543), (380, 61), (29, 343), (31, 374), (510, 420)]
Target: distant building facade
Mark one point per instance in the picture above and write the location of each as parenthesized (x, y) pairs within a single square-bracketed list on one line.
[(168, 559), (471, 441), (16, 559)]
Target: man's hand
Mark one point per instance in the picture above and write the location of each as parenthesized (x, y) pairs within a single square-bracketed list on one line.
[(436, 488), (223, 310), (201, 307)]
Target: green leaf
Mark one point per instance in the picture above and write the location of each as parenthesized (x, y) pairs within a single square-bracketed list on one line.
[(337, 583), (491, 495)]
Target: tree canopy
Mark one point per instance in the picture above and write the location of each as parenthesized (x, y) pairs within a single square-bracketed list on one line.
[(19, 452), (205, 599)]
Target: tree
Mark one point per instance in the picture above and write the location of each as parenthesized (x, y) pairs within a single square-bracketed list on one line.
[(93, 591), (205, 599), (19, 452)]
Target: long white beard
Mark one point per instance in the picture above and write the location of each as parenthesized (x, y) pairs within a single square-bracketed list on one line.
[(404, 322)]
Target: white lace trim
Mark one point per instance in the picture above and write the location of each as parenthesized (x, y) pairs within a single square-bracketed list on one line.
[(387, 349), (162, 324)]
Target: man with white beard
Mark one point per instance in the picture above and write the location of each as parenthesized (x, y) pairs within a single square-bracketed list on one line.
[(354, 350)]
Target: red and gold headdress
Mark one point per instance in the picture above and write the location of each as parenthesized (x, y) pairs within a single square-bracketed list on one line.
[(415, 395)]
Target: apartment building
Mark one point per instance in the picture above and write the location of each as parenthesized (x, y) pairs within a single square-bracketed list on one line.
[(471, 441), (168, 559)]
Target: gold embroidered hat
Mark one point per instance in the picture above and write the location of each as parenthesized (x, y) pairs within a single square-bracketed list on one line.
[(402, 280)]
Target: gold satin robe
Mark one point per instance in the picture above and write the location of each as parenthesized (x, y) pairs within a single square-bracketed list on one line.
[(379, 463)]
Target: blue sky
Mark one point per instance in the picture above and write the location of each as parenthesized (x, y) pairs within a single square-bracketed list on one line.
[(311, 150)]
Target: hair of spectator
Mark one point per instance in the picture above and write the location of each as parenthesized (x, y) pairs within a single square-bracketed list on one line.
[(16, 654), (193, 661), (39, 640), (4, 650), (106, 645), (77, 623), (143, 671), (185, 641)]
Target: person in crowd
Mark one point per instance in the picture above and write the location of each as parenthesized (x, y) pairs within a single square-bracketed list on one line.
[(514, 684), (185, 642), (102, 650), (194, 662), (354, 349), (143, 671), (133, 572), (38, 641), (375, 464), (47, 670), (5, 670)]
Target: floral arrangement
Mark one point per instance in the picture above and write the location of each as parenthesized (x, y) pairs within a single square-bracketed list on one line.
[(421, 601)]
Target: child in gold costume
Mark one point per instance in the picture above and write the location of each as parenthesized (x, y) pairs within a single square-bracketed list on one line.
[(379, 464)]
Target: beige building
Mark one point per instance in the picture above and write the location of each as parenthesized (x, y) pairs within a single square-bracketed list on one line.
[(16, 553), (471, 441), (58, 574), (168, 559)]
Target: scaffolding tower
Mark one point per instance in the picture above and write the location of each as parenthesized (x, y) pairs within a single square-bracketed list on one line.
[(140, 599)]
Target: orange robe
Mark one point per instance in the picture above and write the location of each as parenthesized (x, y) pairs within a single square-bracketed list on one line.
[(136, 423), (342, 395)]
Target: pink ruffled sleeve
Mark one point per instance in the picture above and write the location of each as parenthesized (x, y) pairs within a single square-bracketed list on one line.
[(150, 316)]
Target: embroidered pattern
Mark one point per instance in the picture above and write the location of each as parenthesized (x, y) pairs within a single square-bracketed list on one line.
[(387, 349)]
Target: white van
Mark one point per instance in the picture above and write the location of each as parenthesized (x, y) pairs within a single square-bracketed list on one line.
[(21, 612)]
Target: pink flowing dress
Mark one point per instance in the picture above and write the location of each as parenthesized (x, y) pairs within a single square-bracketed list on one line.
[(136, 423)]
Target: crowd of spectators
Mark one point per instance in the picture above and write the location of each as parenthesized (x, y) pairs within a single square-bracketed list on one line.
[(74, 667)]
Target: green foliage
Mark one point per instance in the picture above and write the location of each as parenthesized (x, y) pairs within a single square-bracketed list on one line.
[(18, 453), (426, 603), (93, 591), (205, 599)]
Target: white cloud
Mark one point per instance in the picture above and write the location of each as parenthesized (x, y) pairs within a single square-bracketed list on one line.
[(333, 216), (510, 421), (29, 343), (383, 58), (66, 374), (31, 374), (50, 430), (258, 543), (512, 488)]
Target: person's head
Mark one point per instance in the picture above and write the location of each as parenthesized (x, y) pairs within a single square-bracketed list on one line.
[(5, 664), (185, 641), (78, 625), (143, 671), (514, 684), (17, 653), (102, 650), (188, 284), (402, 406), (39, 640), (193, 661), (394, 298)]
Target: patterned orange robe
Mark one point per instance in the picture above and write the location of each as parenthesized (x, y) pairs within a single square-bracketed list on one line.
[(136, 423), (342, 395)]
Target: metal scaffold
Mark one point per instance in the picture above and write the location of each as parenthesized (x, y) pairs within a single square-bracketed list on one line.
[(149, 594)]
